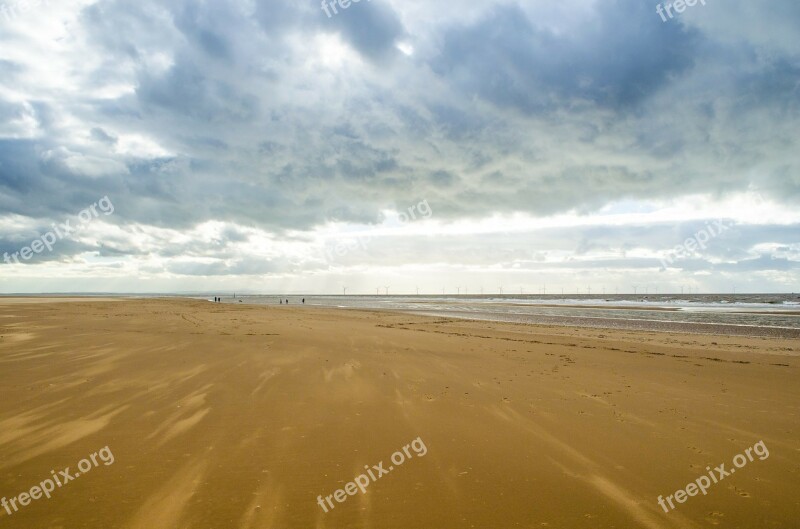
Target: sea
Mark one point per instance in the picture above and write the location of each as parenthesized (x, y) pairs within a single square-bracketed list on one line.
[(775, 315)]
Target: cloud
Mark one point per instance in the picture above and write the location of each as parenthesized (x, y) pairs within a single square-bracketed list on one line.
[(271, 116), (617, 60), (372, 28)]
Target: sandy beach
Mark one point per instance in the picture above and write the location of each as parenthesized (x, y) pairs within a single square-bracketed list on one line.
[(236, 416)]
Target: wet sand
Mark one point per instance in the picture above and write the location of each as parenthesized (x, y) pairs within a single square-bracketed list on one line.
[(240, 416), (627, 323)]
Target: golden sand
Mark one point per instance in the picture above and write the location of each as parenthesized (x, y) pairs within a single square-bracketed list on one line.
[(234, 416)]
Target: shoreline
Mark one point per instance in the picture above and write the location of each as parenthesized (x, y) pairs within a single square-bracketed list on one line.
[(597, 323), (569, 321), (630, 324)]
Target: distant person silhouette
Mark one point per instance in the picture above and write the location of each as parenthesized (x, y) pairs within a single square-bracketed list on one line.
[(304, 301)]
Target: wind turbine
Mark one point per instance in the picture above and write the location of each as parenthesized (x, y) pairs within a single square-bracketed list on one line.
[(344, 291), (387, 291), (635, 289)]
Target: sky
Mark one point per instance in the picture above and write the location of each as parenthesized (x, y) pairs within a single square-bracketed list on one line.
[(293, 147)]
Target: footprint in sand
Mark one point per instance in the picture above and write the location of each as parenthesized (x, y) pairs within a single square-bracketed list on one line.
[(740, 492)]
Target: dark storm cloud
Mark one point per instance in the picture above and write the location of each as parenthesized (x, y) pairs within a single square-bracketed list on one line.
[(34, 182), (102, 136), (198, 23), (62, 251), (184, 89), (624, 56), (371, 27), (278, 17)]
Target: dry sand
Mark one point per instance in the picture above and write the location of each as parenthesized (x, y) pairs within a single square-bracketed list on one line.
[(233, 416)]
